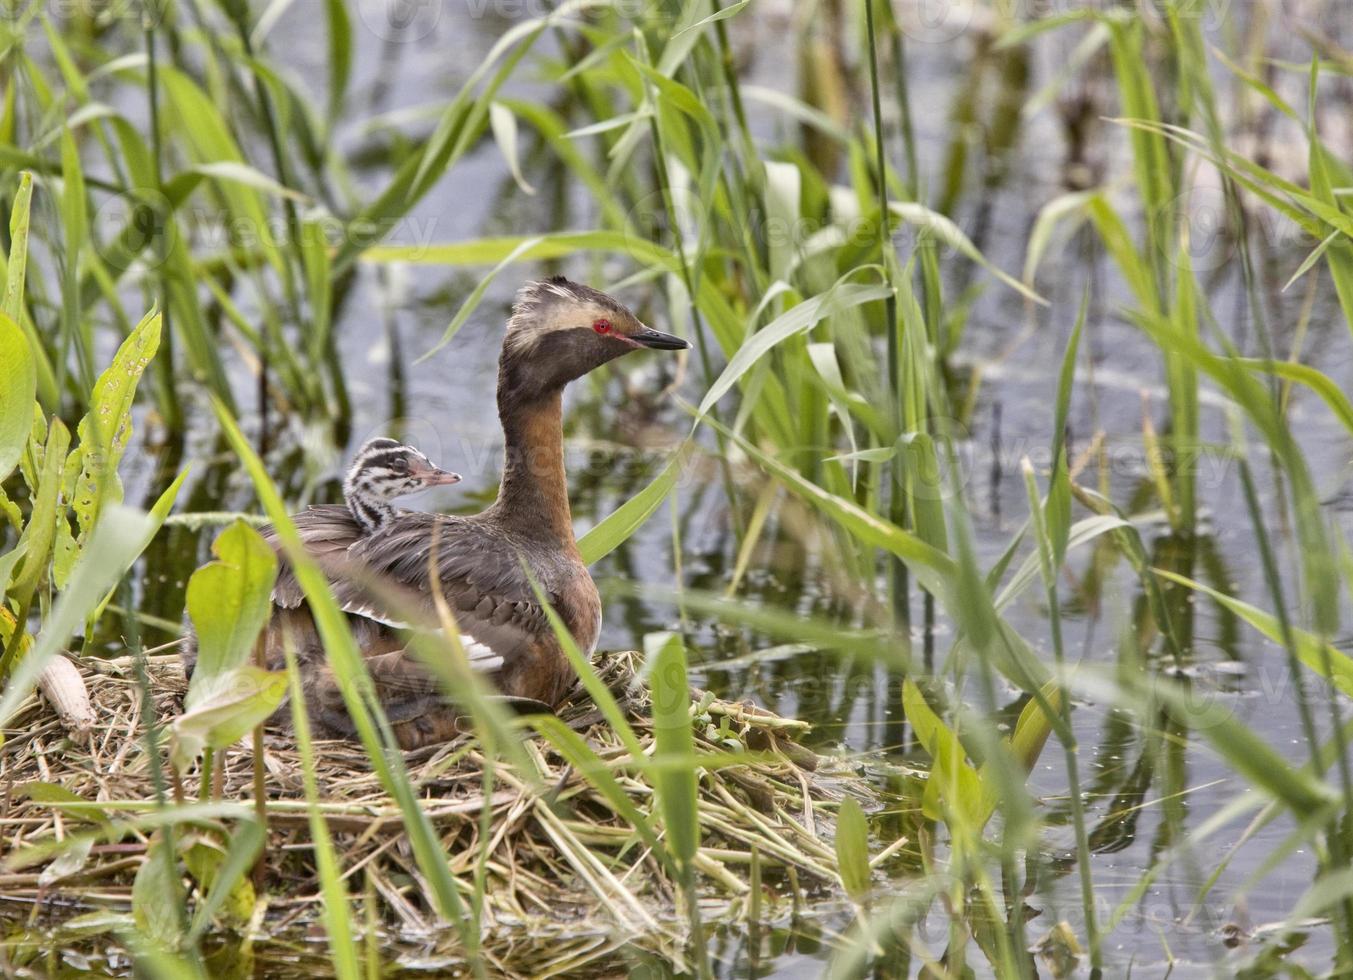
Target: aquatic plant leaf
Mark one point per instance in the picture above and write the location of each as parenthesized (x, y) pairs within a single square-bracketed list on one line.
[(68, 862), (224, 876), (315, 257), (504, 126), (489, 251), (155, 894), (18, 253), (229, 600), (55, 795), (674, 786), (1065, 207), (103, 436), (472, 301), (1057, 508), (618, 526), (340, 54), (7, 563), (925, 488), (852, 849), (952, 778), (1309, 649), (1319, 382), (208, 140), (722, 14), (799, 319), (450, 139), (336, 908), (222, 708), (1024, 747), (235, 172), (1256, 760), (950, 234), (18, 389), (39, 533)]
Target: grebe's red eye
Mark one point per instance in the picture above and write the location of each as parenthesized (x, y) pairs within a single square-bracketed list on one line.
[(601, 326)]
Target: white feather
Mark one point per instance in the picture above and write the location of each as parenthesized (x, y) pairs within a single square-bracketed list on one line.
[(481, 655)]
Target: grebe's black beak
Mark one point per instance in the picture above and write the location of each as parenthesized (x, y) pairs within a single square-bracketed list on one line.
[(657, 340)]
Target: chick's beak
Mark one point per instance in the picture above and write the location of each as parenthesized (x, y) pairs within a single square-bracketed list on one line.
[(434, 477), (657, 340)]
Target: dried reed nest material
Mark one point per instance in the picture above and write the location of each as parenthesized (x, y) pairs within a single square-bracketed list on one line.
[(568, 882)]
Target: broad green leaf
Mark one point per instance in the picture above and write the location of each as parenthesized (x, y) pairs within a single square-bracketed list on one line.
[(925, 488), (1025, 746), (224, 877), (18, 389), (1033, 727), (18, 253), (222, 708), (7, 563), (675, 787), (951, 777), (54, 795), (229, 600), (39, 534), (155, 897), (158, 514), (852, 849), (103, 434), (114, 545)]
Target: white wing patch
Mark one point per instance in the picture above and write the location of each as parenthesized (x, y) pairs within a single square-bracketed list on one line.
[(481, 655), (366, 612)]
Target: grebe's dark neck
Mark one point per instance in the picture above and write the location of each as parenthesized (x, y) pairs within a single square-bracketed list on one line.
[(534, 494)]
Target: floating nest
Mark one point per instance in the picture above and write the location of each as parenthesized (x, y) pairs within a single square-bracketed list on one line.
[(567, 882)]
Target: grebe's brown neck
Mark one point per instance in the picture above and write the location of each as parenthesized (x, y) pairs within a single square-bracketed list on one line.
[(534, 493)]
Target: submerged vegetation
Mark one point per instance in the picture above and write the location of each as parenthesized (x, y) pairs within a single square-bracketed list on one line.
[(1092, 715)]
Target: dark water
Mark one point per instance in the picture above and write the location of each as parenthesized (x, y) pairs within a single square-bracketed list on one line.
[(1143, 798)]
